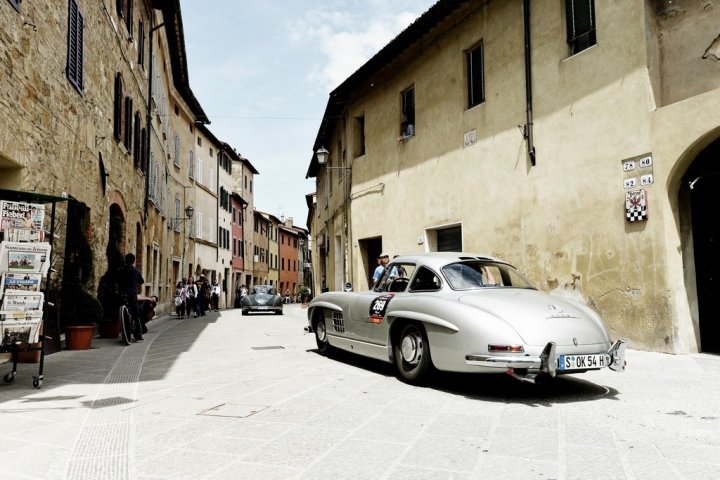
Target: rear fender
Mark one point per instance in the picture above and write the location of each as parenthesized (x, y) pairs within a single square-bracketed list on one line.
[(412, 316), (422, 318)]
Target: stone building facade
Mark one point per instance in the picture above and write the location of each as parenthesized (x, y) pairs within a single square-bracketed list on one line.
[(575, 139), (95, 105)]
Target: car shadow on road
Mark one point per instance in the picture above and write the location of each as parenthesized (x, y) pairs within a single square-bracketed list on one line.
[(503, 388), (492, 387)]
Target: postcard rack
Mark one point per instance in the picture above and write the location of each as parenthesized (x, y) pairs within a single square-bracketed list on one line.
[(25, 260)]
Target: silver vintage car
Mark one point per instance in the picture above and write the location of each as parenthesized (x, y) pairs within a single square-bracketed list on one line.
[(262, 298), (463, 312)]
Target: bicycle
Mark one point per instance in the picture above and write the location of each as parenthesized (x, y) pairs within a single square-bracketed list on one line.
[(126, 321)]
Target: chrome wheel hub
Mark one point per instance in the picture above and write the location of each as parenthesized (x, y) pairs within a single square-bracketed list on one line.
[(320, 331), (411, 349)]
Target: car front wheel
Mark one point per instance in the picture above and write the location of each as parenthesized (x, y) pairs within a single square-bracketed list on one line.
[(412, 353), (321, 337)]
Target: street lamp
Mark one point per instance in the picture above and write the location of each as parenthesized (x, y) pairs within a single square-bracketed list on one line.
[(322, 156), (189, 210)]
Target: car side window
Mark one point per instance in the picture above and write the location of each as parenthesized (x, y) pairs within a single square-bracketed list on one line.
[(395, 277), (425, 280)]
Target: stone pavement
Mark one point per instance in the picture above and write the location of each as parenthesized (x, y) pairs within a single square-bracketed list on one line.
[(232, 397)]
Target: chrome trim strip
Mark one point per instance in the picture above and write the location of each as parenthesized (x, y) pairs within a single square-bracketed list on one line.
[(504, 362)]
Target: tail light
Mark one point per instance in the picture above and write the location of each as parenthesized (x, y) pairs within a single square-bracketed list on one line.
[(506, 348)]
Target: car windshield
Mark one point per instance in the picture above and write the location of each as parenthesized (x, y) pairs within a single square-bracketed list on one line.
[(483, 274), (258, 289)]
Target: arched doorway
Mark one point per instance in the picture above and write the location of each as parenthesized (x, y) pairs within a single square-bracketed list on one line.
[(702, 186), (116, 236)]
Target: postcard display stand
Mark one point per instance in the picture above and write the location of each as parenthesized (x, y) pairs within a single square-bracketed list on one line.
[(24, 263)]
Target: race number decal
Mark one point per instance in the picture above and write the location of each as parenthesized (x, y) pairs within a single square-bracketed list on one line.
[(378, 307)]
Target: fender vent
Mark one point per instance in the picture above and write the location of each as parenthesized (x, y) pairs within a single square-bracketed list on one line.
[(338, 322)]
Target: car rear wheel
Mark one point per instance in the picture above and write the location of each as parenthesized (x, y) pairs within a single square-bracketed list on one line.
[(412, 353), (321, 337)]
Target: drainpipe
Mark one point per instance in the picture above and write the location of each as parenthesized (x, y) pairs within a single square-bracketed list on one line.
[(528, 131)]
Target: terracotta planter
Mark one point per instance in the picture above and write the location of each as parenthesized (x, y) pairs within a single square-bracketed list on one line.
[(79, 337), (109, 328)]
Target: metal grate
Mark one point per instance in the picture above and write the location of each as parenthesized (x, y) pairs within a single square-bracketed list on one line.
[(338, 322), (271, 347)]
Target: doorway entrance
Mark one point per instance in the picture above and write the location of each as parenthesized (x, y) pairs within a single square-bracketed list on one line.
[(370, 250), (703, 178)]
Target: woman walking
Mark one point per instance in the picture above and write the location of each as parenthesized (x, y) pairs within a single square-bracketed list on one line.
[(180, 300), (190, 295)]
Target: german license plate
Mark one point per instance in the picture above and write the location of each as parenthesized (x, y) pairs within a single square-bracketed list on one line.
[(581, 362), (262, 307)]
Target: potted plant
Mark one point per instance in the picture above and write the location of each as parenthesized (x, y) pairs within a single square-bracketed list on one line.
[(79, 309), (86, 311)]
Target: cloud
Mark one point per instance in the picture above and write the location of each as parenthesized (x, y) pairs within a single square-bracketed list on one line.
[(345, 41)]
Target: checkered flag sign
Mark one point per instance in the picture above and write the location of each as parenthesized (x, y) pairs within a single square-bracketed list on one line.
[(636, 206)]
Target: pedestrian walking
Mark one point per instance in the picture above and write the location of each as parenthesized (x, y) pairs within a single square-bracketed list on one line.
[(215, 296), (180, 300), (190, 296)]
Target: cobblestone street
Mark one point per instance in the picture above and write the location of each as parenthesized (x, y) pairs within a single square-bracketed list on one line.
[(227, 396)]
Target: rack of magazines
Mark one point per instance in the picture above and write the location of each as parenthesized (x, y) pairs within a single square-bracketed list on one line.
[(25, 260)]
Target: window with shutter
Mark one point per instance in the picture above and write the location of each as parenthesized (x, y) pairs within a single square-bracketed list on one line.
[(118, 107), (580, 19), (129, 18), (177, 151), (142, 163), (191, 165), (475, 76), (74, 68), (138, 140), (151, 178), (408, 105), (141, 44), (177, 214), (127, 114)]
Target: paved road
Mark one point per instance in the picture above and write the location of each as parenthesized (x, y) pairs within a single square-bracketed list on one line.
[(232, 397)]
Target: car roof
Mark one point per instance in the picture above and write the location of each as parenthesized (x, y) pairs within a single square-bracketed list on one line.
[(439, 259)]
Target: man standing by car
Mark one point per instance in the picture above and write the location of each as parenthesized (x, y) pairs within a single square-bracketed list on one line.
[(129, 280), (382, 260)]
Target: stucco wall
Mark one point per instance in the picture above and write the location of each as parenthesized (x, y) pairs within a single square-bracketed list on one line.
[(563, 220)]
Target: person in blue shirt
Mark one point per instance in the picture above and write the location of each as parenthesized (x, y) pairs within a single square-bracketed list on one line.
[(382, 260)]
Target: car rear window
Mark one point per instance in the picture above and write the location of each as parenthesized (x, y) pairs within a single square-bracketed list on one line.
[(483, 274)]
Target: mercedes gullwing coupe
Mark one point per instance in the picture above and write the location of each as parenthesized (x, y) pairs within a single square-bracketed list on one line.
[(262, 298), (461, 312)]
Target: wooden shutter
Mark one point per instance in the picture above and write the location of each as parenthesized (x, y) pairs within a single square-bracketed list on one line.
[(74, 67), (118, 106), (128, 123), (580, 18)]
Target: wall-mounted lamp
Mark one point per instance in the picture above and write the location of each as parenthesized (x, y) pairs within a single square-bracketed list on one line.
[(189, 210), (322, 157)]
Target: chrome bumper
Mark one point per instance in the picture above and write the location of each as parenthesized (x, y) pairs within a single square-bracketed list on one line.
[(547, 361)]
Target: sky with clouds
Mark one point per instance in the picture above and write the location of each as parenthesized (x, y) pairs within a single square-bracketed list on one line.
[(262, 71)]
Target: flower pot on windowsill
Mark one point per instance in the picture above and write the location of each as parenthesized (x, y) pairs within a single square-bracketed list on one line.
[(79, 337)]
